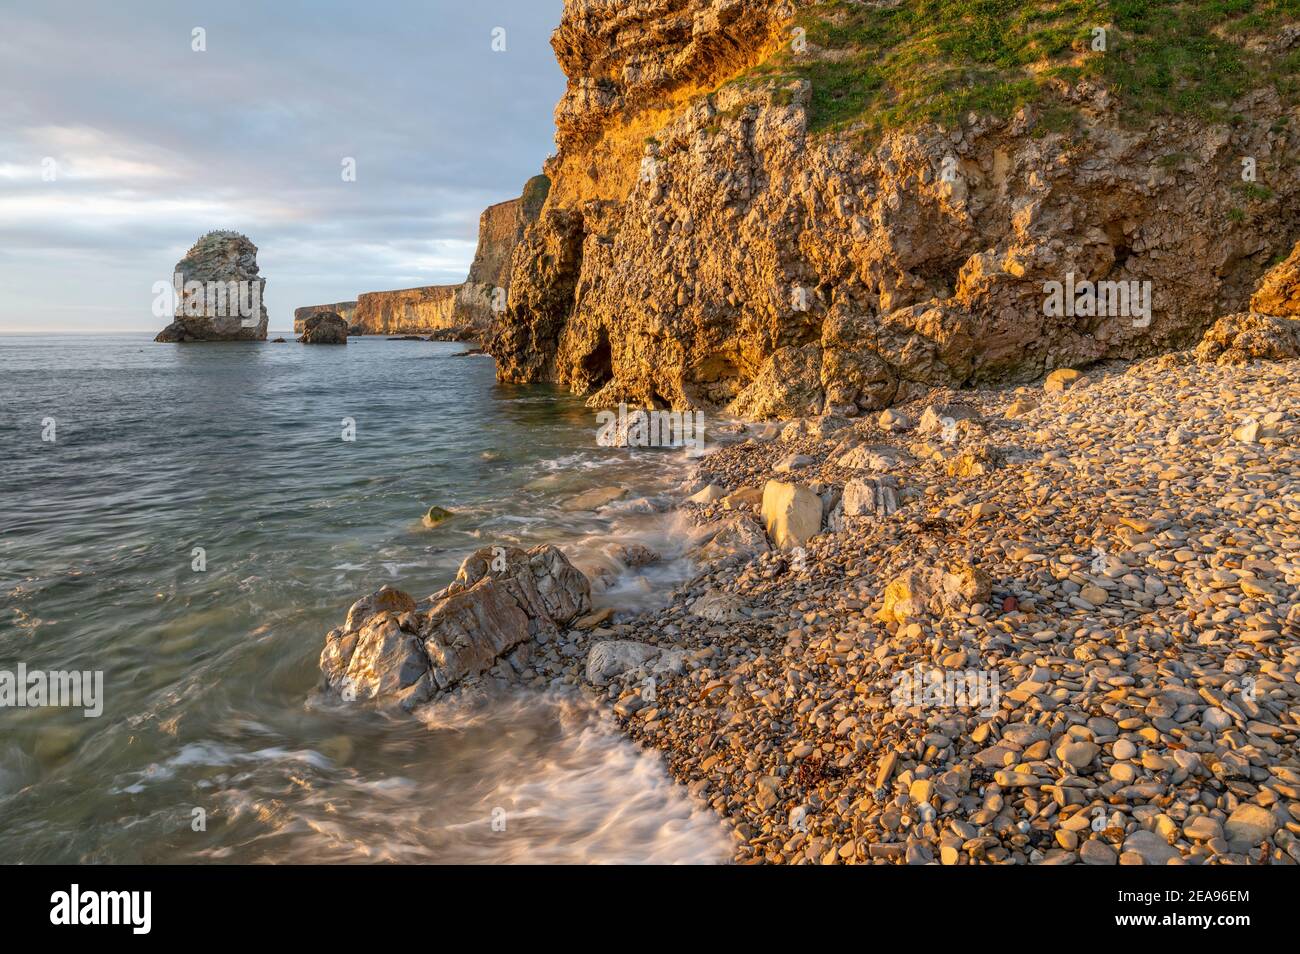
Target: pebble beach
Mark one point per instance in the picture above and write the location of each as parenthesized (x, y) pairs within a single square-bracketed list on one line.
[(1053, 624)]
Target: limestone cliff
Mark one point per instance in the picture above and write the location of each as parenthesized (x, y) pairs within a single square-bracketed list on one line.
[(718, 233), (409, 311), (465, 309), (501, 226), (344, 309)]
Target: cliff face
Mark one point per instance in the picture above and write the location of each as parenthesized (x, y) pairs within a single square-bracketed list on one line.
[(701, 245), (344, 309), (501, 226), (469, 306), (410, 311)]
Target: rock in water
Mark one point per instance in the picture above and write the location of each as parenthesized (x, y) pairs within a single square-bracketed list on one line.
[(324, 327), (436, 515), (222, 294), (395, 652), (344, 309)]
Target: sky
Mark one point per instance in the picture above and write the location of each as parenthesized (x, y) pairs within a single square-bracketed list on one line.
[(121, 144)]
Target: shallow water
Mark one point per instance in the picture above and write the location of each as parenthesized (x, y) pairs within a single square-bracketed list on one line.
[(238, 449)]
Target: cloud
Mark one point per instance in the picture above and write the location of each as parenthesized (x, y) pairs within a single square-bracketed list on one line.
[(152, 143)]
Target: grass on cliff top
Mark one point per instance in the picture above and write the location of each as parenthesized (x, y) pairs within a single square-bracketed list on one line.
[(877, 68)]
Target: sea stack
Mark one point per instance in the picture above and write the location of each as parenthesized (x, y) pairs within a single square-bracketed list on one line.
[(325, 327), (217, 292)]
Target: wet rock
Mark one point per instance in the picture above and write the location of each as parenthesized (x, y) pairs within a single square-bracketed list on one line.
[(394, 652), (436, 515), (324, 327), (593, 499)]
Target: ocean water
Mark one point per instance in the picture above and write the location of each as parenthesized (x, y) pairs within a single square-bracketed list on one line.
[(211, 747)]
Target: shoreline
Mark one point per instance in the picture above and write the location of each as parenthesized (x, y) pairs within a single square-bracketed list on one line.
[(1147, 713), (1079, 556)]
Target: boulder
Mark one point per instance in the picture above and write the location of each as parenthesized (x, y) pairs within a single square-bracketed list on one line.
[(935, 417), (708, 495), (975, 462), (737, 534), (719, 607), (787, 385), (918, 593), (385, 600), (895, 421), (344, 309), (1248, 826), (543, 581), (324, 327), (1279, 290), (615, 657), (1152, 849), (436, 515), (593, 499), (619, 657), (747, 498), (870, 497), (874, 458), (394, 652), (219, 293), (1239, 339), (384, 660), (1064, 379), (471, 629), (792, 514), (792, 463)]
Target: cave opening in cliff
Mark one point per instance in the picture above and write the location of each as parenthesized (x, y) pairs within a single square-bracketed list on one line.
[(1119, 242), (598, 365)]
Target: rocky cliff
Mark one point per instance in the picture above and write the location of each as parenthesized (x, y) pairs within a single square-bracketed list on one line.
[(466, 308), (501, 226), (410, 311), (344, 309), (788, 209), (216, 292)]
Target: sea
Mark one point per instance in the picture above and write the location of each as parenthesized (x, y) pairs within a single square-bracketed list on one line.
[(188, 521)]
